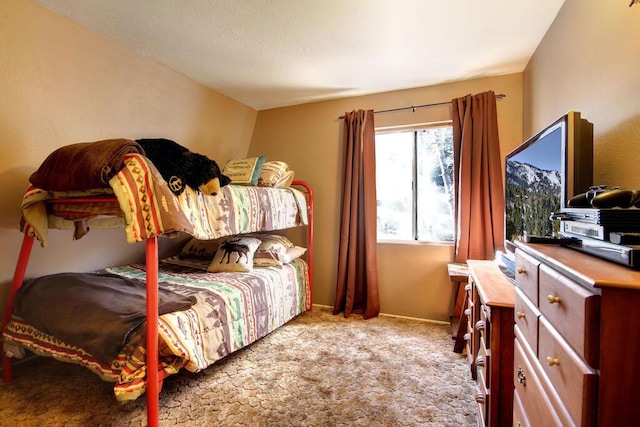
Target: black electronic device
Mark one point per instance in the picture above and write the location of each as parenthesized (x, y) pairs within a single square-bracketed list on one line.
[(624, 238), (596, 231), (623, 219), (628, 255), (603, 197)]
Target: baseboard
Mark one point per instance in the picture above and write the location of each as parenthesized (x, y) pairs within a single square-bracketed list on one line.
[(439, 322)]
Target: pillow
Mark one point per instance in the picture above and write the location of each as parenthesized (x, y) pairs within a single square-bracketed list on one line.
[(244, 171), (272, 172), (272, 252), (275, 250), (235, 253), (199, 249), (286, 180), (294, 253), (267, 259), (275, 174), (272, 239)]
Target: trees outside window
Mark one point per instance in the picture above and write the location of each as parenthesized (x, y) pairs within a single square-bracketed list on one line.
[(414, 174)]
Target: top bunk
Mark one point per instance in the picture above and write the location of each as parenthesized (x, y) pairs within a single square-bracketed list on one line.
[(138, 199)]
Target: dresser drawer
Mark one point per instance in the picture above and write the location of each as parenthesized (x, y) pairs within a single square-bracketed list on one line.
[(468, 315), (536, 405), (483, 326), (471, 337), (482, 397), (573, 310), (519, 415), (483, 362), (527, 275), (526, 319), (468, 288), (574, 381)]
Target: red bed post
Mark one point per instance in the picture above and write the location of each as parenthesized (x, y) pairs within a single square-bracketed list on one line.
[(309, 192), (153, 381), (18, 278)]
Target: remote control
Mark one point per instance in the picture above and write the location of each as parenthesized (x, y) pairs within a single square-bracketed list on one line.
[(550, 240)]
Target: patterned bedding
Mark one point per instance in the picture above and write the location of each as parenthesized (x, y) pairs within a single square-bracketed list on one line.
[(231, 311), (148, 208)]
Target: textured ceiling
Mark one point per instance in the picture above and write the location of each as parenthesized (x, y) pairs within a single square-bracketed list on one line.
[(273, 53)]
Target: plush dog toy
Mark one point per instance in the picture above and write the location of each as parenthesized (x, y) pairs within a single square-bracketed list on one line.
[(179, 166)]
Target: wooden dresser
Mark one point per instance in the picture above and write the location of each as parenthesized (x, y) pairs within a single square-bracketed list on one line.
[(577, 346), (489, 306)]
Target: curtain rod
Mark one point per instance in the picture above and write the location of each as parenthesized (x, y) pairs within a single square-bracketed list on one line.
[(413, 108)]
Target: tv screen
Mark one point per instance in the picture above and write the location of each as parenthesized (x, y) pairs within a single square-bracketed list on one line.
[(534, 187), (543, 173)]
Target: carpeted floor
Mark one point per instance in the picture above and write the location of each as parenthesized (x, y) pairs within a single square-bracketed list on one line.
[(318, 370)]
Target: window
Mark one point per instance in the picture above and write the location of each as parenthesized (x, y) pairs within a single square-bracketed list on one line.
[(414, 174)]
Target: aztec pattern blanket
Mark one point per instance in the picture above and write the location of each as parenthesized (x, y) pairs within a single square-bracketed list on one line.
[(148, 208), (231, 311)]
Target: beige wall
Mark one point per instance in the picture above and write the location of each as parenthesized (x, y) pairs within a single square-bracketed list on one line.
[(413, 278), (589, 61), (60, 84)]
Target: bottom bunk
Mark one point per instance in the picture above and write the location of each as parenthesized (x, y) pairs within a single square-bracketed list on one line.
[(226, 312)]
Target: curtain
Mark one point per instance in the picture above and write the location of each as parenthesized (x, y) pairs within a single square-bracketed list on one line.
[(357, 285), (479, 209)]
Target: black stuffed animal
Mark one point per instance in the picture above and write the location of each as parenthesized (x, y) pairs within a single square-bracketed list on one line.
[(179, 166)]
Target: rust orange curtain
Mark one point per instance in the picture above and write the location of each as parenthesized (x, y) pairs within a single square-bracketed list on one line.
[(478, 169), (357, 286)]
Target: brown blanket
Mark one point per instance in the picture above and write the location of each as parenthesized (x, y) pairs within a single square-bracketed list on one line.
[(94, 311), (84, 165)]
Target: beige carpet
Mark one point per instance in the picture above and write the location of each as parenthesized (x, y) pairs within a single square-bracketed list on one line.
[(318, 370)]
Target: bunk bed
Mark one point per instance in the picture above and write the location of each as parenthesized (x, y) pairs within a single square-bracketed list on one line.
[(139, 201)]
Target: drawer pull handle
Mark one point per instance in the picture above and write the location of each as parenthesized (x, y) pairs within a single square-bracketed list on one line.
[(480, 325), (479, 396), (522, 270), (552, 361), (467, 336), (520, 315), (480, 360), (522, 378), (553, 299), (467, 287), (467, 312)]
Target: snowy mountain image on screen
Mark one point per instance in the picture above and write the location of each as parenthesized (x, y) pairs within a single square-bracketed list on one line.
[(527, 176), (532, 195)]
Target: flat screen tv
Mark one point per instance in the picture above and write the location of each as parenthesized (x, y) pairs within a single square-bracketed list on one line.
[(542, 173)]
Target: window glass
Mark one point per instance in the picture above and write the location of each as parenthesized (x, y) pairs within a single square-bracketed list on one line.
[(414, 173), (394, 183)]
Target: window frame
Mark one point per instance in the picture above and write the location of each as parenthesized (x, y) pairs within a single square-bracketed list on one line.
[(414, 128)]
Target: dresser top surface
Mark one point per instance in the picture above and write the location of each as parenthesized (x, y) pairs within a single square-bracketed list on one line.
[(589, 269), (494, 287)]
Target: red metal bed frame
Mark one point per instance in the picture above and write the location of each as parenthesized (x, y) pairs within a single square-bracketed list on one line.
[(155, 376)]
